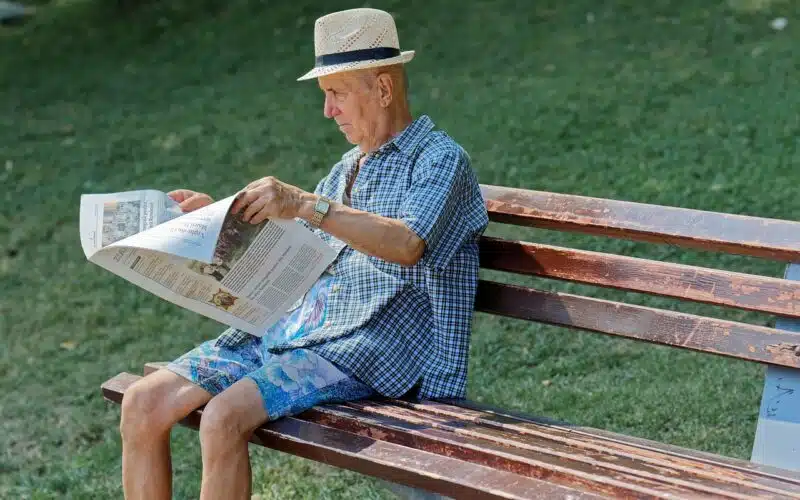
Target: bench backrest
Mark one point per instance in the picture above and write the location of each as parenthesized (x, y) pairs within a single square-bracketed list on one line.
[(736, 234), (778, 428)]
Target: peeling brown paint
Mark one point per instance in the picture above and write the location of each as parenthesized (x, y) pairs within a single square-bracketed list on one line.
[(711, 335), (776, 239), (711, 286), (784, 353)]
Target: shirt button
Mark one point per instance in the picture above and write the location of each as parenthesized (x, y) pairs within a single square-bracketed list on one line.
[(335, 288)]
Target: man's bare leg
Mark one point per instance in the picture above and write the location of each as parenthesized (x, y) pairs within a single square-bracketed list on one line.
[(150, 408), (228, 422)]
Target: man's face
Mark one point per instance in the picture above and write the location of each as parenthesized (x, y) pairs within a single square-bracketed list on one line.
[(351, 100)]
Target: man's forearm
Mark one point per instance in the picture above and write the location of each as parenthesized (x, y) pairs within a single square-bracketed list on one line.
[(372, 234)]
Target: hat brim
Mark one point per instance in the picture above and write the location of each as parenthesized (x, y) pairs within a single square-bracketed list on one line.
[(403, 58)]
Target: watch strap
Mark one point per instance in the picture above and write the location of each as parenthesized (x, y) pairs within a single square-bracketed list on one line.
[(321, 209)]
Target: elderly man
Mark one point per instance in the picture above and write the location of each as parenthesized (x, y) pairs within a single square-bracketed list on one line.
[(391, 315)]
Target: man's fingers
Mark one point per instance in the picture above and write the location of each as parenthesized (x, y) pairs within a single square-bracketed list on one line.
[(244, 200), (253, 208), (198, 200), (189, 200), (249, 194), (238, 201), (180, 195), (262, 215)]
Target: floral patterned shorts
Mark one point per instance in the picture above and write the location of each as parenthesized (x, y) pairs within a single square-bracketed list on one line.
[(290, 382)]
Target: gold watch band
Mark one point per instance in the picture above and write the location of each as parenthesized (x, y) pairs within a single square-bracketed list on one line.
[(321, 209)]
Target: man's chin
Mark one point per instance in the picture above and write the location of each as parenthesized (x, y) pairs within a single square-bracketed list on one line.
[(349, 138)]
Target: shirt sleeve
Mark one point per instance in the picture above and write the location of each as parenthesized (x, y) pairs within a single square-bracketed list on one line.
[(435, 206), (320, 189)]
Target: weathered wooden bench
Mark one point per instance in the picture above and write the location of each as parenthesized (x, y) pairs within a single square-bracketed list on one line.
[(466, 450)]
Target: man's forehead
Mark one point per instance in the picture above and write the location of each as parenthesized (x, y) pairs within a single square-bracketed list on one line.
[(347, 79), (335, 80)]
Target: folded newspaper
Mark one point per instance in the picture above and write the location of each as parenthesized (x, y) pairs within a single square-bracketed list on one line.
[(208, 261)]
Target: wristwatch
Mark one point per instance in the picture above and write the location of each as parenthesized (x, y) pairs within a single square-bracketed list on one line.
[(320, 210)]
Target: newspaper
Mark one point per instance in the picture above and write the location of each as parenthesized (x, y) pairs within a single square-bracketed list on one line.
[(208, 261)]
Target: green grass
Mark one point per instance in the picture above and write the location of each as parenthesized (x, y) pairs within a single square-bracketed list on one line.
[(677, 103)]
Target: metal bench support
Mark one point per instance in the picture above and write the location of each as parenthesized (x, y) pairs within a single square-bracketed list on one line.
[(777, 440)]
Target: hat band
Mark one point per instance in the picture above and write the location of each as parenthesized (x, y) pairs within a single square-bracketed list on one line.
[(357, 55)]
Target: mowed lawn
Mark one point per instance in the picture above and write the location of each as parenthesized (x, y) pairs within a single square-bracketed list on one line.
[(683, 103)]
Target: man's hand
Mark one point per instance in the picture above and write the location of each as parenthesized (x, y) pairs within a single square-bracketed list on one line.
[(269, 197), (189, 200), (384, 237)]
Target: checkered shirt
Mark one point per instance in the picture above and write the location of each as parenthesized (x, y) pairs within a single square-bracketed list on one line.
[(404, 330)]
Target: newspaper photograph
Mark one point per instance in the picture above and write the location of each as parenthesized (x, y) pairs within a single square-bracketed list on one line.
[(208, 261)]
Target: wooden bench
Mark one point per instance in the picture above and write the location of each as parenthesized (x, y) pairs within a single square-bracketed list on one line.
[(466, 450)]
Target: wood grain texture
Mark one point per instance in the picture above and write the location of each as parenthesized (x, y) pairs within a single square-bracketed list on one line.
[(613, 473), (464, 450), (505, 419), (710, 286), (716, 336), (396, 463), (738, 234)]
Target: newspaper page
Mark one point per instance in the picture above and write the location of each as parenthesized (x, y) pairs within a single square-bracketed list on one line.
[(208, 261), (109, 218)]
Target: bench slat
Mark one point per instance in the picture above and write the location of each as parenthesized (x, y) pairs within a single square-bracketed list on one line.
[(522, 440), (756, 236), (559, 453), (710, 286), (505, 419), (727, 338), (618, 474), (596, 444), (399, 464)]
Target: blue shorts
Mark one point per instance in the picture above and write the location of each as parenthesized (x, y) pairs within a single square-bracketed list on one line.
[(290, 382)]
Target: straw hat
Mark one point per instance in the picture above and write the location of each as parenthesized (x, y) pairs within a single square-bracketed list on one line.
[(355, 39)]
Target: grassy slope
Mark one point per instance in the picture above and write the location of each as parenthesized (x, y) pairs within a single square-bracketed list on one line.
[(669, 103)]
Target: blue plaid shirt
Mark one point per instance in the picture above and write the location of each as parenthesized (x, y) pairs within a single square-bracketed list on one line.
[(399, 328)]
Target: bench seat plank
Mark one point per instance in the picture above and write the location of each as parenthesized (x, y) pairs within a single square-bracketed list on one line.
[(617, 474), (492, 416), (755, 236), (382, 459), (699, 284), (575, 459), (591, 445), (716, 336)]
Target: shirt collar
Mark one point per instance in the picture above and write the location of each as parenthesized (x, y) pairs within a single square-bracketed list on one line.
[(406, 141)]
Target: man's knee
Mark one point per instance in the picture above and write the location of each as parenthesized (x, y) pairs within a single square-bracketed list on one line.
[(221, 423), (233, 415), (142, 411), (152, 405)]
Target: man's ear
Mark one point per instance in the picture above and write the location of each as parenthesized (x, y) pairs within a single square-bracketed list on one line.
[(385, 89)]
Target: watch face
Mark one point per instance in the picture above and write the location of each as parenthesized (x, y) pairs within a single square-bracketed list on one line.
[(322, 206)]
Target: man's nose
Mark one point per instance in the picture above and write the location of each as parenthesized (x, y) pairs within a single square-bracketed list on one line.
[(330, 109)]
